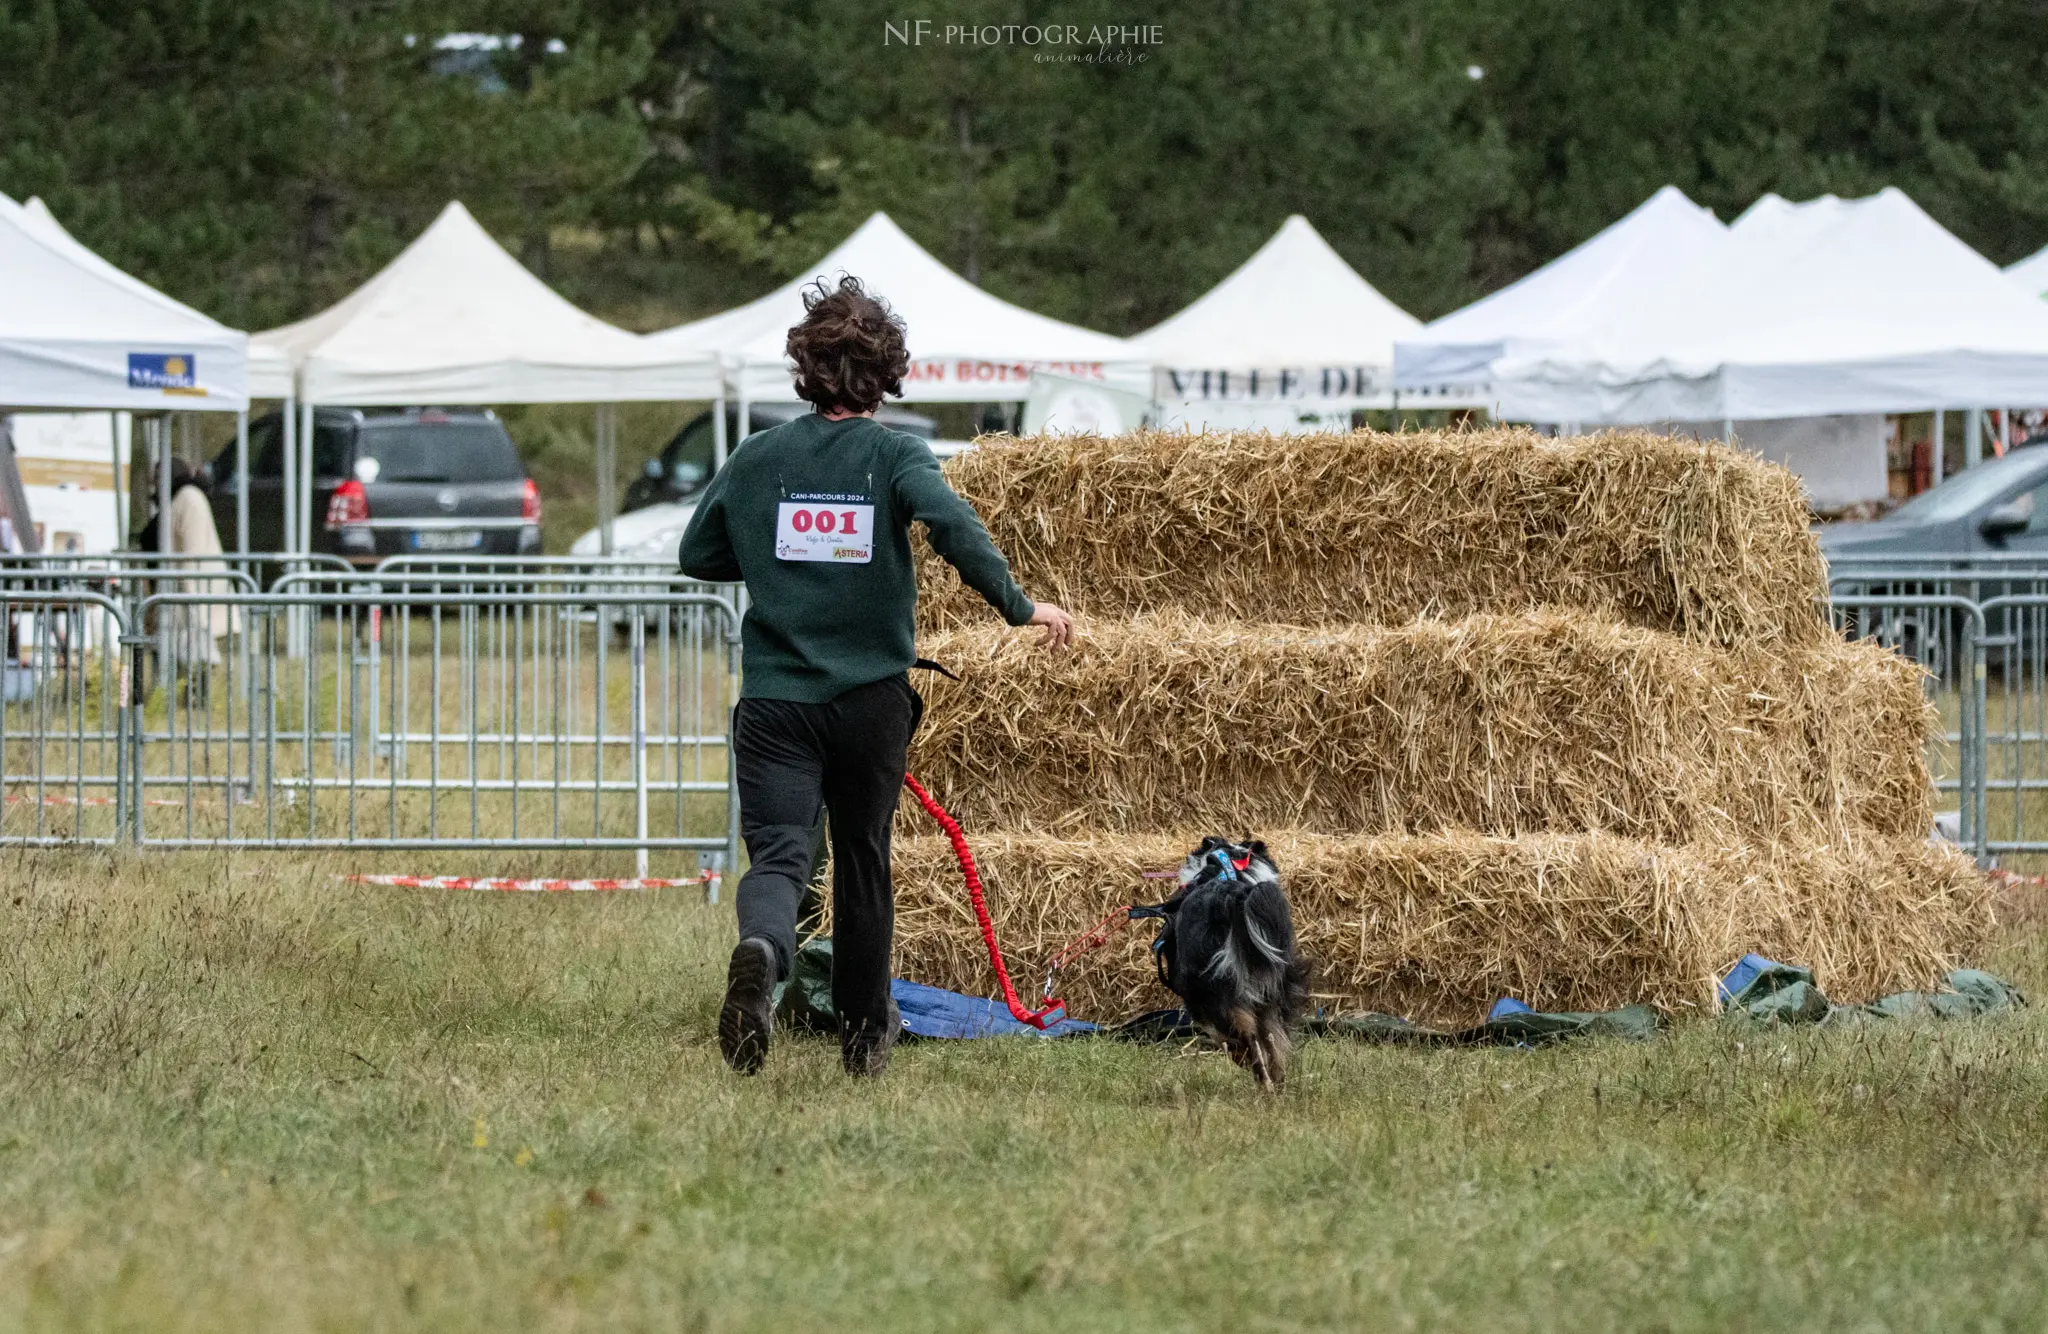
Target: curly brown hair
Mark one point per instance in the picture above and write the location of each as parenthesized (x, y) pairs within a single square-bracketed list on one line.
[(849, 351)]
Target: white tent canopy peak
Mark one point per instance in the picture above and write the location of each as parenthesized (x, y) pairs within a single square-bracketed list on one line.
[(1575, 293), (455, 319), (77, 332), (1827, 307), (1294, 321), (966, 344)]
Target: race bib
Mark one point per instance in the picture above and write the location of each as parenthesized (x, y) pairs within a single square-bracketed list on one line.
[(825, 528)]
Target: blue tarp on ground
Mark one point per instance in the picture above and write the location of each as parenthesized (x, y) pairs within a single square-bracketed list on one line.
[(932, 1012), (805, 1001), (1746, 970)]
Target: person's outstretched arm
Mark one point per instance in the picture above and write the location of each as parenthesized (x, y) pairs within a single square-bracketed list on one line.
[(958, 536), (706, 551)]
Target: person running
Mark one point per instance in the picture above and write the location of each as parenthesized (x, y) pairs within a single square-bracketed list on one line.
[(814, 516)]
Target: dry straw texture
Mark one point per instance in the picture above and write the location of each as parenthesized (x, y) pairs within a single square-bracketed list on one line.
[(1366, 527), (1564, 713), (1438, 926), (1542, 722)]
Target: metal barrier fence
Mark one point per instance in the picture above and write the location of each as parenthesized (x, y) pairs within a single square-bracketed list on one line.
[(568, 706), (559, 703), (1979, 625), (69, 724)]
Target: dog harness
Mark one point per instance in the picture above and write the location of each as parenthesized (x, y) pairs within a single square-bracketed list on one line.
[(1227, 867)]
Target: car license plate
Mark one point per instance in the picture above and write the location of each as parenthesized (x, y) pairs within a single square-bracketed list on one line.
[(447, 539)]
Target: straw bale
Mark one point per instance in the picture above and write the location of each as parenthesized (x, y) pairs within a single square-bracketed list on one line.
[(1678, 535), (1539, 722), (1437, 926)]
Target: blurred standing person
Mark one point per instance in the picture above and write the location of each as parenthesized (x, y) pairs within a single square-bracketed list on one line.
[(196, 631), (814, 515)]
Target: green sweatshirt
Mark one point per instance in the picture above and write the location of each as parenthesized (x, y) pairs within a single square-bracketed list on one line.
[(815, 516)]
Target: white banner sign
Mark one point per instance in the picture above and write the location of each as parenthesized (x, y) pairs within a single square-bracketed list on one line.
[(1272, 384)]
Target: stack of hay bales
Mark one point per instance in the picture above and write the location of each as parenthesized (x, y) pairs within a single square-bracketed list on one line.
[(1558, 719)]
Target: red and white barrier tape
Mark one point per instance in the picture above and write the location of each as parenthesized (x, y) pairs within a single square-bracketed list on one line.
[(523, 886)]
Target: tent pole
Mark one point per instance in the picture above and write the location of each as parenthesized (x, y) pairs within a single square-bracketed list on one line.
[(163, 485), (298, 489), (718, 449), (122, 483), (1727, 430), (607, 475), (1937, 467), (744, 405), (304, 499), (1973, 438), (242, 483), (291, 468), (288, 536)]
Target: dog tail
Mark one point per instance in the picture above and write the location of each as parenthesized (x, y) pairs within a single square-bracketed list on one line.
[(1258, 952)]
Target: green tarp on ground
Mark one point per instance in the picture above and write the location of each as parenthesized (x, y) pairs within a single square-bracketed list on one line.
[(1765, 991), (1755, 990), (804, 998)]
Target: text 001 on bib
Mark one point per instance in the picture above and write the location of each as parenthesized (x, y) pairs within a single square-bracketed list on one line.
[(820, 530)]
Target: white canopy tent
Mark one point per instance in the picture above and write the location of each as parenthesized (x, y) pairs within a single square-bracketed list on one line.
[(77, 332), (1571, 297), (270, 371), (1824, 308), (1294, 330), (454, 319), (966, 345), (2031, 274)]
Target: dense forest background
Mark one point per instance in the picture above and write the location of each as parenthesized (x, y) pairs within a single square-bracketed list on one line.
[(661, 159), (259, 158)]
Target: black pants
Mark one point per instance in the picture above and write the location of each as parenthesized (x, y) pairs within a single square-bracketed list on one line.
[(846, 755)]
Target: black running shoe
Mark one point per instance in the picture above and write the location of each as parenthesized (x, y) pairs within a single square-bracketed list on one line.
[(748, 1015), (865, 1052)]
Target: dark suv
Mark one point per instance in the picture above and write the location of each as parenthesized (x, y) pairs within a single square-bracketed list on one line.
[(684, 466), (387, 482)]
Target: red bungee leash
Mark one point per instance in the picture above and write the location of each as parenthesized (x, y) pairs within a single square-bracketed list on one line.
[(1053, 1010)]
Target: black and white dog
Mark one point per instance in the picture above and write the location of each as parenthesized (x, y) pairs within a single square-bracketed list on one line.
[(1227, 950)]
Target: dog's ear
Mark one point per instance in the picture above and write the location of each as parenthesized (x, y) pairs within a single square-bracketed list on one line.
[(1213, 842), (1257, 848)]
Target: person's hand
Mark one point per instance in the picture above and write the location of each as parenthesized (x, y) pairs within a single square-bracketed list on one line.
[(1059, 627)]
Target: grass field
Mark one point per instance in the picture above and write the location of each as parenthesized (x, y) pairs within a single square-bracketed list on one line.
[(236, 1093)]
